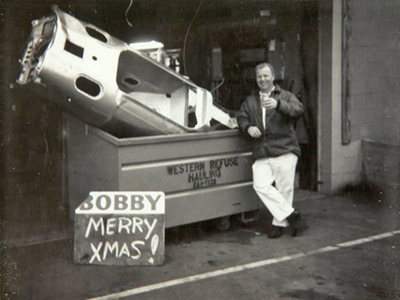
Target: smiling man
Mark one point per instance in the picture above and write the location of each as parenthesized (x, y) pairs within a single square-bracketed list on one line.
[(268, 117)]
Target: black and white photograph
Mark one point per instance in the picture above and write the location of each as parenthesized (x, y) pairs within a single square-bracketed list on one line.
[(200, 149)]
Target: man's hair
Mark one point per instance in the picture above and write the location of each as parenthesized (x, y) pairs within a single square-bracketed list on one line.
[(263, 65)]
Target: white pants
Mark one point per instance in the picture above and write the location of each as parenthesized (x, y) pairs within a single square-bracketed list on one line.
[(278, 199)]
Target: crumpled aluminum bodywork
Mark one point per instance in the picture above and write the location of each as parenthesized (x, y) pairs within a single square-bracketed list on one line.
[(108, 84)]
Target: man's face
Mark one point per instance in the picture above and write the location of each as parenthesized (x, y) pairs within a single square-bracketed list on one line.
[(265, 79)]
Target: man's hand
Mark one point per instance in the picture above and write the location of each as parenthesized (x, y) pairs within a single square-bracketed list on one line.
[(269, 103), (254, 132)]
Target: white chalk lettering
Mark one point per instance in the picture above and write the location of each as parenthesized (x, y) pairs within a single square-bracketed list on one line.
[(101, 253), (110, 225), (150, 227), (125, 226), (137, 223), (110, 248), (96, 226), (133, 245), (114, 225), (124, 250), (96, 252)]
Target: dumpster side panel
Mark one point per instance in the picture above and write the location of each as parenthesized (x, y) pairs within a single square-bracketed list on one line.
[(204, 175), (92, 163), (183, 165), (209, 203)]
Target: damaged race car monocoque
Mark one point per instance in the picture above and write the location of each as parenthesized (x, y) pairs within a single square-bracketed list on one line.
[(109, 84)]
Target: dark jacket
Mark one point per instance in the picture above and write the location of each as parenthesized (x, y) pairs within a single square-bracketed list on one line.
[(279, 136)]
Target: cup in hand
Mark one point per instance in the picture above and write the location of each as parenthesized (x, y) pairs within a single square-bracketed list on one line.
[(266, 100)]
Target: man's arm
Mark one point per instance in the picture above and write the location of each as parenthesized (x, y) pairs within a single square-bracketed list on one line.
[(243, 117), (290, 106), (245, 123)]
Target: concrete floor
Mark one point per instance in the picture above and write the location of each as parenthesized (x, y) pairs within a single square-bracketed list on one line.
[(202, 262)]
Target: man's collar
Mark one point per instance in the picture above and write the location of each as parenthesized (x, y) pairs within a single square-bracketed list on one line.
[(275, 88), (256, 92)]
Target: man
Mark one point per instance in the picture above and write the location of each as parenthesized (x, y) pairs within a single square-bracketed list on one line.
[(268, 118)]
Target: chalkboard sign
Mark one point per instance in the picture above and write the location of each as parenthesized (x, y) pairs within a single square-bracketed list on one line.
[(120, 228)]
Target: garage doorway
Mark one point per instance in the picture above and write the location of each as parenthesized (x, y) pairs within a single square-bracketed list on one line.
[(229, 38)]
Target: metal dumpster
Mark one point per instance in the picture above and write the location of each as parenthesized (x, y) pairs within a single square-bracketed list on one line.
[(204, 175)]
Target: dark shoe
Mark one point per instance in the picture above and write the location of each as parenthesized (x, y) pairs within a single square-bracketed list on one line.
[(294, 222), (275, 232)]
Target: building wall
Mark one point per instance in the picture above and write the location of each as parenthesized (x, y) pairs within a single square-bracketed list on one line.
[(373, 80), (325, 96), (374, 70)]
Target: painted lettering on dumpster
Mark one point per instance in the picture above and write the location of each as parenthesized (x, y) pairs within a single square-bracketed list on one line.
[(120, 228), (204, 173)]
